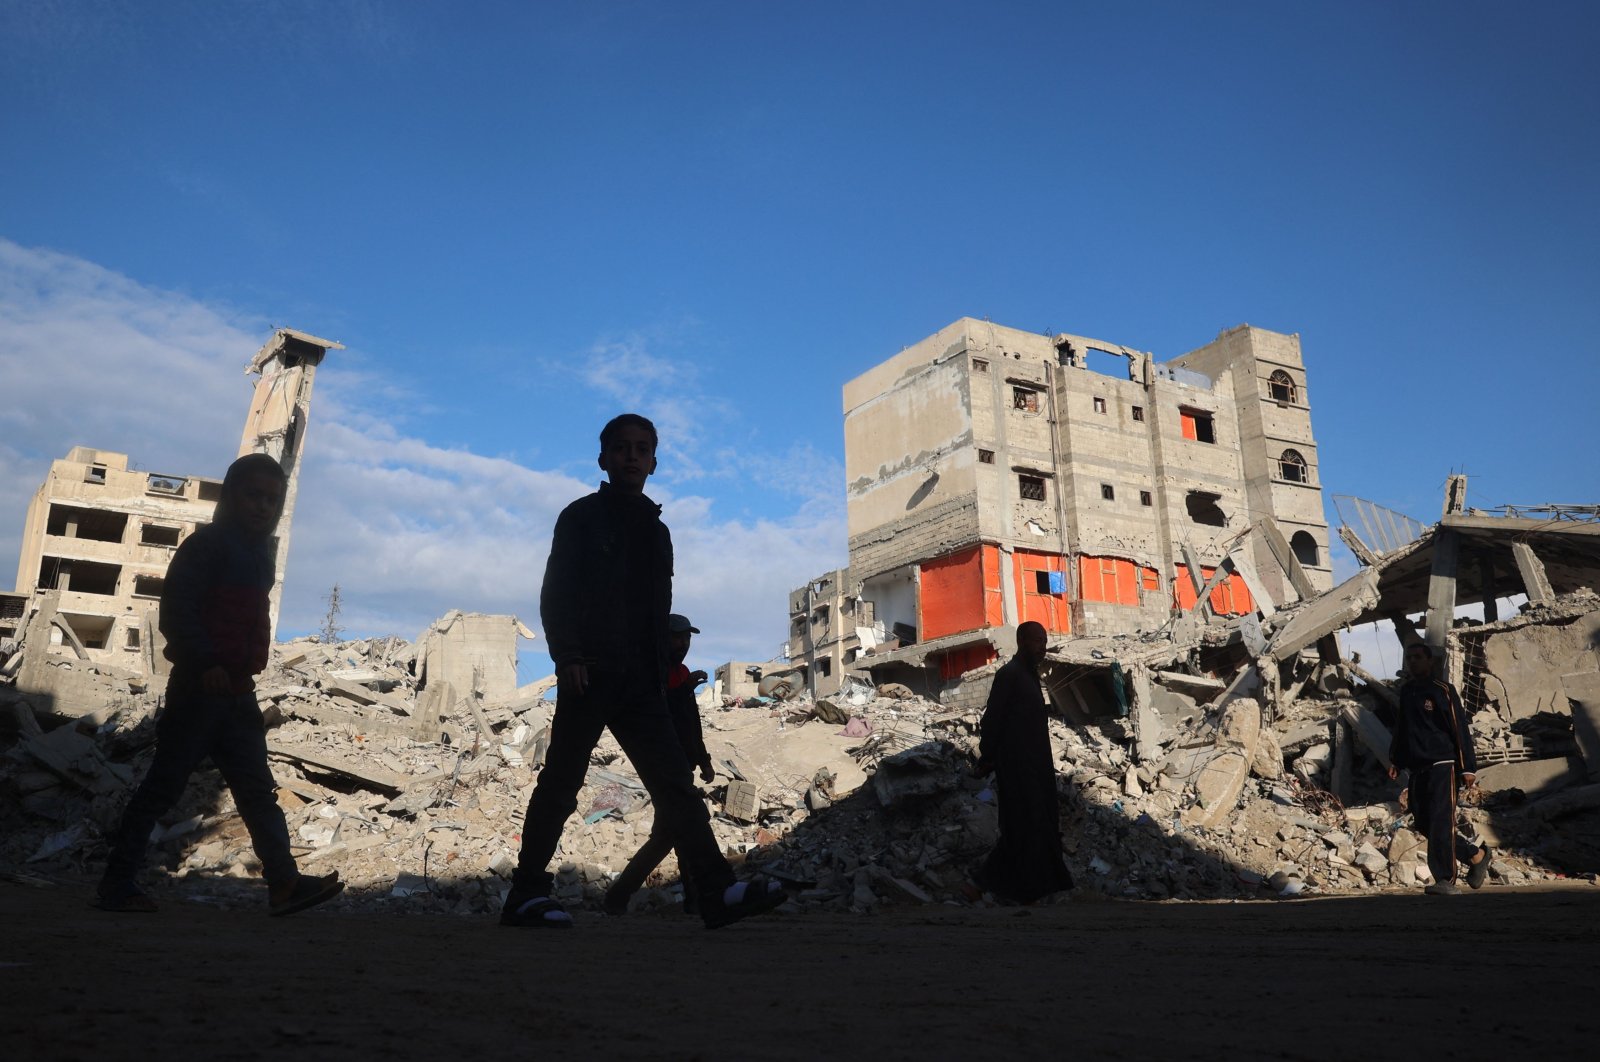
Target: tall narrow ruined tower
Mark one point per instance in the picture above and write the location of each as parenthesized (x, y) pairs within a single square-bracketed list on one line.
[(277, 422)]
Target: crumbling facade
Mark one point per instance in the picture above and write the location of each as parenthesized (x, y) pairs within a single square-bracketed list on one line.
[(102, 534), (994, 477)]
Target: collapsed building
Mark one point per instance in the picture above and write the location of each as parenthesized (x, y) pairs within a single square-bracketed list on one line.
[(98, 537), (997, 476)]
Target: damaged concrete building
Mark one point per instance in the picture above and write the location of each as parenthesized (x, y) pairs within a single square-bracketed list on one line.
[(99, 535), (997, 476)]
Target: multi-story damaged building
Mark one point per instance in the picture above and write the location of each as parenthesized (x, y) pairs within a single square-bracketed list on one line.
[(101, 535), (997, 476)]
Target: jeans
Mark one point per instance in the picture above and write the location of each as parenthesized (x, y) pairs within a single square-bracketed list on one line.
[(634, 707), (193, 726)]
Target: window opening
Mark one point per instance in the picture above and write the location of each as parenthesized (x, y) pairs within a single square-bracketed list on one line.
[(95, 474), (1031, 488), (1138, 412), (1041, 582), (980, 365), (1025, 399), (1203, 508), (165, 484), (158, 535), (1099, 404), (74, 521), (1281, 384), (147, 585), (985, 457), (1145, 498), (1197, 425), (210, 491), (132, 639), (1292, 467), (1306, 550), (1108, 492)]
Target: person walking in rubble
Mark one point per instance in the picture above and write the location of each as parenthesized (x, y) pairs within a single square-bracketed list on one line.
[(605, 601), (685, 712), (215, 616), (1431, 740), (1026, 865)]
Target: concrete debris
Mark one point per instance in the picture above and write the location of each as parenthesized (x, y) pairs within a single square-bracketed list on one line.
[(1173, 783)]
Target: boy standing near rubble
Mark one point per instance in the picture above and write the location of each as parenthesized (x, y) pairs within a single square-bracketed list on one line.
[(215, 616), (605, 601), (1027, 864), (685, 712), (1432, 741)]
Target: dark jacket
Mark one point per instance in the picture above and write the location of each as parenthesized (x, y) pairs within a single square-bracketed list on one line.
[(1431, 727), (1015, 729), (608, 584), (685, 712), (216, 604)]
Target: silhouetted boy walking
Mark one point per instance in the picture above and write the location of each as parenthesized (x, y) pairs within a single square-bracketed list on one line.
[(605, 601), (215, 617)]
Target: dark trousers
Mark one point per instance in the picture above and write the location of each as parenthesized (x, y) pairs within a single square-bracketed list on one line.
[(229, 730), (1432, 796), (646, 859), (634, 708)]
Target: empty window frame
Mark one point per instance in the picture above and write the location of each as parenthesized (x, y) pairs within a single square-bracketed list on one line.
[(95, 474), (1025, 399), (76, 521), (210, 490), (1138, 413), (131, 638), (1204, 510), (1292, 467), (159, 535), (1306, 550), (157, 484), (1197, 425), (1108, 492), (147, 585), (824, 667), (985, 457), (980, 365), (1282, 387), (1030, 488), (1099, 404), (1146, 499)]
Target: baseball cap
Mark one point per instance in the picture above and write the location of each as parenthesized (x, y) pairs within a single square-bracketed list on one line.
[(680, 624)]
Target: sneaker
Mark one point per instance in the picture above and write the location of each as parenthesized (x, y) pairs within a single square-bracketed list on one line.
[(123, 899), (304, 891), (1478, 873), (1443, 888)]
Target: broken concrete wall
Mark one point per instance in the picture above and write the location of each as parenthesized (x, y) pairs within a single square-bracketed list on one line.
[(472, 651)]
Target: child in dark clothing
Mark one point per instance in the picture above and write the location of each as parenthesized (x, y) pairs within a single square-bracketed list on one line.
[(215, 617), (685, 712), (1433, 742), (606, 597)]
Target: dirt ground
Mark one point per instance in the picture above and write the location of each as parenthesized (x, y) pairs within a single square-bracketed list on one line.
[(1495, 974)]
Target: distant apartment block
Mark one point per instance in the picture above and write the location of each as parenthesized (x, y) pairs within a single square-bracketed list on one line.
[(996, 476), (102, 534)]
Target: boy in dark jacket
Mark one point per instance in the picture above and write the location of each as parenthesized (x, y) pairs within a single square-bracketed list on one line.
[(1432, 741), (1027, 864), (685, 712), (604, 604), (215, 617)]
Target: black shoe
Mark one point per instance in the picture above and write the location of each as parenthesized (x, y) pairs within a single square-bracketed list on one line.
[(1478, 873), (1443, 888), (760, 895), (616, 904)]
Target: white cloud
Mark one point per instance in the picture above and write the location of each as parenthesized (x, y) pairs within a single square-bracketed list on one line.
[(406, 528)]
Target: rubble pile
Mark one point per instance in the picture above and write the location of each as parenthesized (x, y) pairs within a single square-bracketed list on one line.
[(862, 799)]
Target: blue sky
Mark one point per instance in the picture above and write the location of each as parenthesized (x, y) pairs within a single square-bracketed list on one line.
[(523, 217)]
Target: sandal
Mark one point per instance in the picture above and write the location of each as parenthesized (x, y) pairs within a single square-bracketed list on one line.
[(306, 892), (758, 895), (540, 911)]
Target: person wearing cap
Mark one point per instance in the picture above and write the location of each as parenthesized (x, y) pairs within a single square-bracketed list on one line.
[(604, 604), (685, 712)]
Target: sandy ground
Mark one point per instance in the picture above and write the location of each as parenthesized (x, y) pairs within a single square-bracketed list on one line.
[(1495, 974)]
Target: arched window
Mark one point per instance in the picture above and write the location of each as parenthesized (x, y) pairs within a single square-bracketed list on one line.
[(1282, 387), (1292, 467), (1306, 550)]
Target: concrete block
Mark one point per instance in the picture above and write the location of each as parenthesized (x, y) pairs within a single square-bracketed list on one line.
[(1217, 788), (1531, 776)]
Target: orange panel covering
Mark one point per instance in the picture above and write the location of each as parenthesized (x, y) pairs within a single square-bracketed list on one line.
[(958, 662), (1114, 580), (1187, 421), (1230, 598), (1052, 610), (952, 594)]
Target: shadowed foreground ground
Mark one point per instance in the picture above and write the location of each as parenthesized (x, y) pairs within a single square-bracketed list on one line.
[(1391, 976)]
